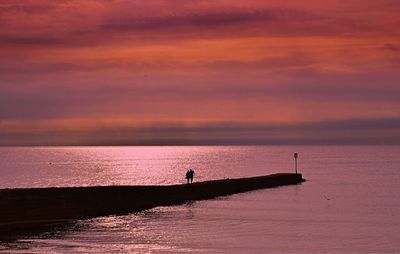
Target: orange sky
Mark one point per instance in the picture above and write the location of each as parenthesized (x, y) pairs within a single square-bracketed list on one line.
[(198, 71)]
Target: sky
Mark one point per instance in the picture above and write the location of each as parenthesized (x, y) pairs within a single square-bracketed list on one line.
[(119, 72)]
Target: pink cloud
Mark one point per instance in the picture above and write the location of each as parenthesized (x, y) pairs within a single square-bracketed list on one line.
[(232, 61)]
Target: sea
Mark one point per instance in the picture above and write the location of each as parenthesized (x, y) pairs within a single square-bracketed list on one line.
[(350, 202)]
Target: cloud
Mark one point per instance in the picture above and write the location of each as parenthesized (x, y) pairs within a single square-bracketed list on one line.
[(202, 20), (91, 23), (234, 95), (34, 40), (356, 131), (391, 47), (26, 7), (223, 61), (31, 68)]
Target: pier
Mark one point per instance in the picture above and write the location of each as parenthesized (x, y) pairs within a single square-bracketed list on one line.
[(23, 209)]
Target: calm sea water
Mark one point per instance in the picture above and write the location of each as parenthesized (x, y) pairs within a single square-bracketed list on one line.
[(350, 203)]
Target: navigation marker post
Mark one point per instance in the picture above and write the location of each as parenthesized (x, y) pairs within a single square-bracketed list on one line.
[(296, 155)]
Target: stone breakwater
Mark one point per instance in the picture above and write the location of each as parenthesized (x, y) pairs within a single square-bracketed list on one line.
[(25, 209)]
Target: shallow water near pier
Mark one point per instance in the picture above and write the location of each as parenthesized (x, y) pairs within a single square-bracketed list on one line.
[(350, 202)]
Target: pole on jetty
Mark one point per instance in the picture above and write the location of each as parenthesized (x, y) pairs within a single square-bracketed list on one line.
[(296, 155)]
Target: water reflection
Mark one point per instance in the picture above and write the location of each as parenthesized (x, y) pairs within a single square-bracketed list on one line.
[(361, 216), (89, 166), (134, 232)]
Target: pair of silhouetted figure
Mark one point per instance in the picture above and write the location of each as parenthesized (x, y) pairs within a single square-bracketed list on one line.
[(190, 175)]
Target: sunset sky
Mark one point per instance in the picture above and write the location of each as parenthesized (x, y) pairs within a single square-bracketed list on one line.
[(119, 72)]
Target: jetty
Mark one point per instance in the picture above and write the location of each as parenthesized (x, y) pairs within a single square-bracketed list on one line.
[(25, 209)]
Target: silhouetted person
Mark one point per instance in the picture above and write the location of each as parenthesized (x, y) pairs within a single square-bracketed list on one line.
[(191, 175), (188, 176)]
